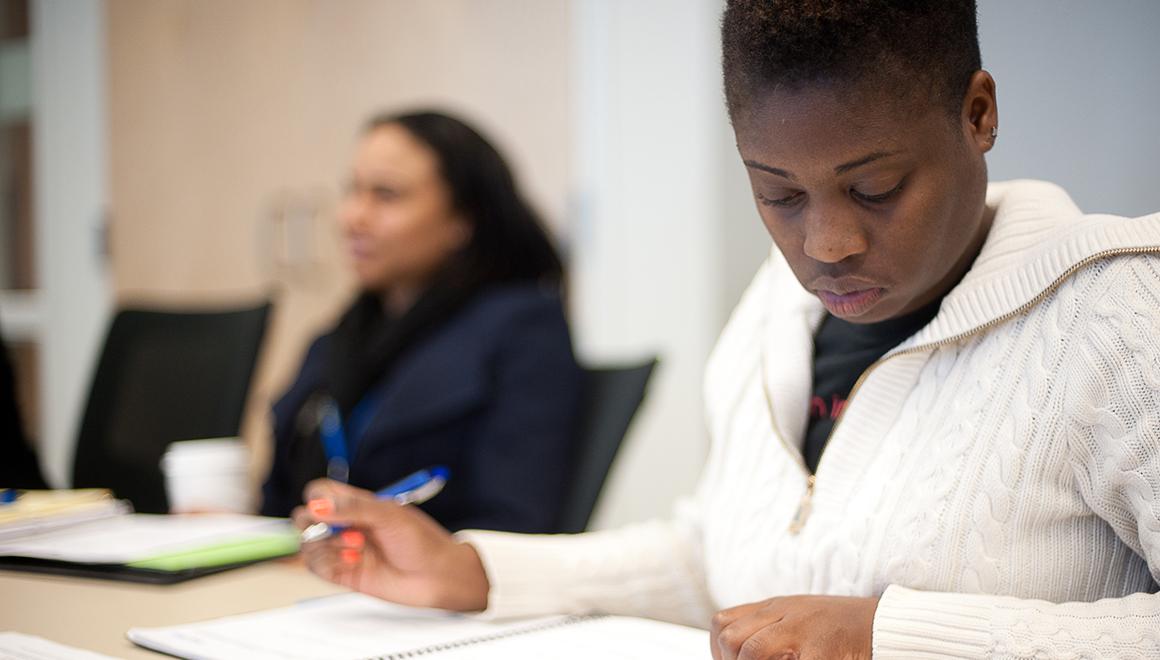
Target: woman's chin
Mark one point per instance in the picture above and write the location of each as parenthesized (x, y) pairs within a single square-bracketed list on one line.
[(371, 281)]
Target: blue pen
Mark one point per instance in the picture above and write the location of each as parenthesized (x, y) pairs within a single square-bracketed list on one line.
[(416, 488)]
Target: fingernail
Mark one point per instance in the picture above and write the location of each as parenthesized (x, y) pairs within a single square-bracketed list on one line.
[(353, 538), (320, 507), (349, 555)]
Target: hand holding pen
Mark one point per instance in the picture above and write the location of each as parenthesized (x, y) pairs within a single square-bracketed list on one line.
[(415, 488), (397, 553)]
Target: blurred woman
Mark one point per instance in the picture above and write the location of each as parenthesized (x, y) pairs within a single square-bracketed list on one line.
[(455, 351)]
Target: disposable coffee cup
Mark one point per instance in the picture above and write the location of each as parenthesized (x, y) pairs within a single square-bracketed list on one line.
[(208, 475)]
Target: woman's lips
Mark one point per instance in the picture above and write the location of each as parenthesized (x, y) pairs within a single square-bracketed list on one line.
[(359, 251), (854, 303)]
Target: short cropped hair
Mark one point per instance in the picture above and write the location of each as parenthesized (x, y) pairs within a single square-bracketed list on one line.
[(915, 49)]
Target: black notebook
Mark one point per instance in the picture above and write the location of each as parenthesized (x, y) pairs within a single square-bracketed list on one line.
[(119, 572)]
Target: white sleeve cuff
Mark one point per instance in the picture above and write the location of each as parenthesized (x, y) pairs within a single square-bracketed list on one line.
[(522, 571), (648, 569), (921, 624)]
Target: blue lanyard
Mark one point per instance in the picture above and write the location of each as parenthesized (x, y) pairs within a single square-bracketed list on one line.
[(334, 437), (333, 441), (360, 418)]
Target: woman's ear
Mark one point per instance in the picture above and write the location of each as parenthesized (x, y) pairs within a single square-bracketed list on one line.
[(463, 231), (980, 113)]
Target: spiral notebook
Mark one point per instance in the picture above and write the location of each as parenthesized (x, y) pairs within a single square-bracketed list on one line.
[(355, 626)]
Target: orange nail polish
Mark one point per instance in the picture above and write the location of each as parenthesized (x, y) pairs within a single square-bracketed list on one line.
[(320, 507), (349, 555), (353, 538)]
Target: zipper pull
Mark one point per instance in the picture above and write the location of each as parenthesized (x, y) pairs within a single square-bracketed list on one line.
[(804, 508)]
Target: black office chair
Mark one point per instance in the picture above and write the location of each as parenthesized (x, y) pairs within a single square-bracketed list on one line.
[(18, 464), (611, 399), (163, 376)]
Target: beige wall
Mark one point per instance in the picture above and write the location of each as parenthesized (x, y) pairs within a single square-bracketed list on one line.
[(224, 115)]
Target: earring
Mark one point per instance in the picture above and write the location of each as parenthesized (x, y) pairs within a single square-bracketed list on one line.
[(994, 133)]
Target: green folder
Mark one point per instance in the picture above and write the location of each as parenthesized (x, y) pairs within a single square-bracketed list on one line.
[(234, 552), (231, 548)]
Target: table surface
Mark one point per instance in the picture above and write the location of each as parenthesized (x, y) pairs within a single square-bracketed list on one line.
[(94, 614)]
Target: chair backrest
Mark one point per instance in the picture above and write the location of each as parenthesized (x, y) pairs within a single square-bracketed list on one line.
[(611, 398), (18, 464), (163, 376)]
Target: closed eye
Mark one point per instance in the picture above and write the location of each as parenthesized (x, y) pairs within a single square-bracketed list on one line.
[(879, 197), (384, 193), (788, 200)]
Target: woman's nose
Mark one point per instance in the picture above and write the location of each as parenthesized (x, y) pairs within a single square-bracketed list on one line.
[(352, 213), (831, 236)]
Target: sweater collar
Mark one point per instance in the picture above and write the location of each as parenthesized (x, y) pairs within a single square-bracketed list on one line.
[(1038, 238)]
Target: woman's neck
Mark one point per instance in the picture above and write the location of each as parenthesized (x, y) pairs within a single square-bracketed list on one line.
[(398, 299)]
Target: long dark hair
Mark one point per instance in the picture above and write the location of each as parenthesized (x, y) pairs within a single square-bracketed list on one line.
[(508, 245), (508, 240)]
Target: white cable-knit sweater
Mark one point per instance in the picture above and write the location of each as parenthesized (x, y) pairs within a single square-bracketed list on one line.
[(996, 477)]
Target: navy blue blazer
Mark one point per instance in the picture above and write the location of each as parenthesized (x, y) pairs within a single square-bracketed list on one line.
[(493, 393)]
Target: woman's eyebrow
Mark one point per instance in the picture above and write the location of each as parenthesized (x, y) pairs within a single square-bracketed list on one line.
[(869, 158), (769, 168), (840, 169)]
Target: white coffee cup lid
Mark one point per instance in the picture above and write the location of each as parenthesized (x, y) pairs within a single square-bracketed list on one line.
[(216, 453)]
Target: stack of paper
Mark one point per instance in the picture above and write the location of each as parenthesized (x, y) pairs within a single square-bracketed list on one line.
[(90, 533), (38, 511), (162, 542)]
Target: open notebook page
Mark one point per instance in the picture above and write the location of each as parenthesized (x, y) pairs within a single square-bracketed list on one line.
[(18, 646), (358, 626), (601, 638)]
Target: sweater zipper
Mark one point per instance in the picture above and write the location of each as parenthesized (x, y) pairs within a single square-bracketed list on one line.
[(805, 506)]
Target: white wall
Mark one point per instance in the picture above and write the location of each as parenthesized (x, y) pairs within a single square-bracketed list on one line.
[(232, 123), (69, 160), (1079, 97), (646, 226)]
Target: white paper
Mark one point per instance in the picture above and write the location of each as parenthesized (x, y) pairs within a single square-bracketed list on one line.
[(604, 638), (359, 626), (18, 646), (39, 525), (133, 537)]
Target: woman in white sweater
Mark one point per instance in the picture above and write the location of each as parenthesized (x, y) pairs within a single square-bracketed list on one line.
[(935, 414)]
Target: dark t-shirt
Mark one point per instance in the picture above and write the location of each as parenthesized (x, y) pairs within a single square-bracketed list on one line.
[(842, 351)]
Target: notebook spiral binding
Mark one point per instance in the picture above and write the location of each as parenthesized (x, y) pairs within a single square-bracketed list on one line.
[(470, 641)]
